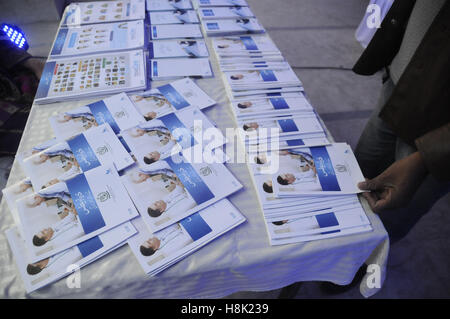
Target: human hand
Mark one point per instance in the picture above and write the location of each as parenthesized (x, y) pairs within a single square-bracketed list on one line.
[(396, 185)]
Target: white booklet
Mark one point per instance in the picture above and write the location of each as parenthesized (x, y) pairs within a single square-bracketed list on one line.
[(275, 105), (321, 236), (166, 69), (92, 75), (183, 48), (250, 44), (221, 3), (167, 5), (170, 134), (81, 153), (175, 31), (238, 64), (225, 13), (173, 189), (232, 26), (261, 79), (275, 206), (103, 11), (324, 170), (298, 125), (170, 98), (118, 111), (173, 17), (96, 38), (39, 274), (68, 213), (318, 223), (15, 192), (155, 252), (258, 92)]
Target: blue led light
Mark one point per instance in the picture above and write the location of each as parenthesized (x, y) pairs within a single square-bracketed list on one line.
[(15, 35)]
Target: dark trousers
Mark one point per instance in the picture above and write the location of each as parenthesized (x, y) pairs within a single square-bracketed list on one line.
[(379, 147)]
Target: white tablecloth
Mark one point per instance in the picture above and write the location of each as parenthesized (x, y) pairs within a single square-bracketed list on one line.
[(241, 260)]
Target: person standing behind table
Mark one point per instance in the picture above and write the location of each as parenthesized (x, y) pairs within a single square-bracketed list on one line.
[(19, 77), (404, 149)]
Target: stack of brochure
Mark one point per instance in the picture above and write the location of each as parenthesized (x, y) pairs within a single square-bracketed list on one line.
[(306, 185), (227, 17), (122, 169), (97, 51), (177, 48)]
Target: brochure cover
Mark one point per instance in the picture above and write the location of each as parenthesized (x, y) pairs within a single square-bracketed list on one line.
[(222, 3), (118, 111), (175, 31), (256, 44), (103, 11), (36, 149), (39, 274), (68, 213), (174, 189), (299, 125), (81, 153), (324, 170), (91, 75), (317, 223), (167, 5), (225, 13), (167, 69), (178, 49), (170, 98), (96, 38), (160, 138), (232, 26), (173, 17), (271, 105), (155, 252), (261, 79)]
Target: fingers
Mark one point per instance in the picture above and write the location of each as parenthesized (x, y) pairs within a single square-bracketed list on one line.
[(369, 185), (379, 201)]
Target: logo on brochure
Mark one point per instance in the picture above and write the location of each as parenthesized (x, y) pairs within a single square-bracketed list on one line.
[(205, 171), (103, 196), (119, 114), (341, 168), (102, 150)]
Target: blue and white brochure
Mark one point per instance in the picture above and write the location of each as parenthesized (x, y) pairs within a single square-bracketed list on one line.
[(92, 75), (118, 111), (261, 79), (175, 31), (183, 48), (168, 69), (36, 149), (81, 153), (15, 192), (39, 274), (174, 189), (96, 38), (221, 3), (187, 130), (170, 98), (318, 223), (225, 13), (103, 11), (299, 125), (322, 170), (271, 105), (68, 213), (168, 5), (158, 251), (245, 46), (232, 26), (173, 17)]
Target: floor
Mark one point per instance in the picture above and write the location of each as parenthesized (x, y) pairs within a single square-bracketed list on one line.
[(317, 39)]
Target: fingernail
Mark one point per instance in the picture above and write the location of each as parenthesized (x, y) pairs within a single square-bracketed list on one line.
[(362, 185)]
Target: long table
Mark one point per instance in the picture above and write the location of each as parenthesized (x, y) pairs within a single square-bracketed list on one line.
[(241, 260)]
